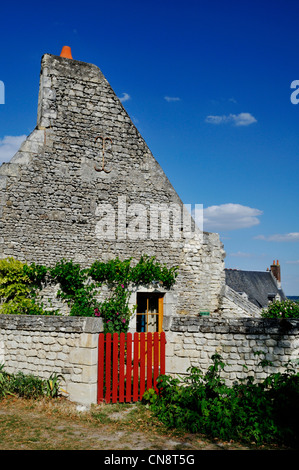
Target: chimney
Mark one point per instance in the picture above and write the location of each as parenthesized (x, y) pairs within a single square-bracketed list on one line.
[(275, 270), (66, 52)]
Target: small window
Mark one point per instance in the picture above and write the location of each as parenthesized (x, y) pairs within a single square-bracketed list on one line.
[(149, 312)]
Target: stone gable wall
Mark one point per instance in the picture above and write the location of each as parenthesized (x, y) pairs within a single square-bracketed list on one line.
[(236, 305), (51, 195)]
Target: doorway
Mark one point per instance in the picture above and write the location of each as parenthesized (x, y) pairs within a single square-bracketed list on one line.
[(149, 315)]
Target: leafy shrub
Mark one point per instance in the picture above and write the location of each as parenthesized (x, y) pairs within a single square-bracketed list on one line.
[(282, 309), (24, 306), (265, 412), (75, 287), (18, 286), (28, 385), (115, 311)]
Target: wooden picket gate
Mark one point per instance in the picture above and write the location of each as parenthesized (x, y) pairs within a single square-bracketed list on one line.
[(129, 364)]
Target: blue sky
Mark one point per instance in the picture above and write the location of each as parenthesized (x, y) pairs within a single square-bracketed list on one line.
[(207, 84)]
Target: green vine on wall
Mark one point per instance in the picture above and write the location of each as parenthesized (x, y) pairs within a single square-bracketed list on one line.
[(21, 283), (75, 287), (145, 272), (120, 276)]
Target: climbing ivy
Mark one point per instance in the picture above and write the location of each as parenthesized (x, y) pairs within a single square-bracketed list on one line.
[(20, 284), (120, 276), (75, 287), (145, 272)]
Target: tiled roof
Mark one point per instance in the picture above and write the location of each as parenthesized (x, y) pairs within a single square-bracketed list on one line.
[(257, 285)]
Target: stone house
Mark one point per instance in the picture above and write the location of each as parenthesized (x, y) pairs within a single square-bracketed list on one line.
[(85, 186)]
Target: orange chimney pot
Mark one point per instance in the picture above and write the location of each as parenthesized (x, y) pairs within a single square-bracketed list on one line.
[(66, 52)]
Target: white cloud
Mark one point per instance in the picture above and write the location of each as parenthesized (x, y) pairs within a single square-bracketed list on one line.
[(230, 217), (9, 145), (293, 262), (286, 237), (172, 98), (242, 119), (125, 97)]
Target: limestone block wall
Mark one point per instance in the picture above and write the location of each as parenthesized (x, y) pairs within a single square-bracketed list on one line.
[(52, 196), (235, 305), (192, 341), (42, 345)]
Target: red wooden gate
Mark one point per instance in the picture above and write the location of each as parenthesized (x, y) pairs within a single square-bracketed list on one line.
[(128, 365)]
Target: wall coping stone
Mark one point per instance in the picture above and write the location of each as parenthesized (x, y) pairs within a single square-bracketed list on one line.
[(65, 324), (194, 323)]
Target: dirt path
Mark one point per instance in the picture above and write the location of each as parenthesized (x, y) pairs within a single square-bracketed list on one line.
[(60, 425)]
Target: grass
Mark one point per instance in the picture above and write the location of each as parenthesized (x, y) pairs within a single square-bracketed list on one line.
[(56, 424)]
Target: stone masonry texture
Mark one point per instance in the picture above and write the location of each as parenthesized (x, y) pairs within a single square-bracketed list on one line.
[(52, 206), (42, 345), (45, 345), (192, 341), (51, 195)]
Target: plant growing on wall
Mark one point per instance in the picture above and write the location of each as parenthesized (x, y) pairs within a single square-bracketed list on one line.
[(115, 311), (282, 309), (75, 287), (120, 276), (19, 284), (145, 272)]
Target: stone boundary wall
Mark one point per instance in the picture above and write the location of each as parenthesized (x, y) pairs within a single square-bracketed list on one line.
[(192, 340), (41, 345)]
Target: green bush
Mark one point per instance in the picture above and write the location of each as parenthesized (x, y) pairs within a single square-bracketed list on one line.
[(115, 311), (282, 309), (75, 287), (19, 284), (265, 412), (28, 385)]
